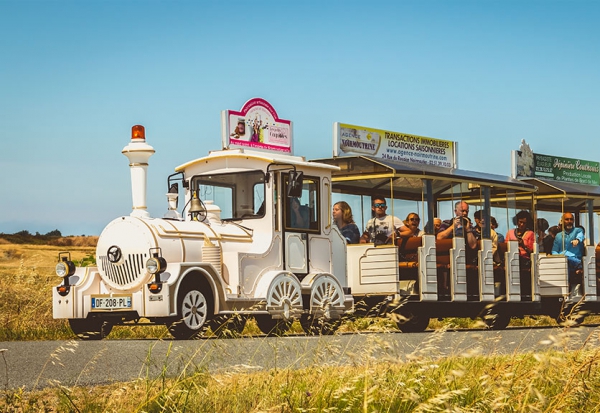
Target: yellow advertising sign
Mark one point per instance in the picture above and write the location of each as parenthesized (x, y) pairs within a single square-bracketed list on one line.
[(395, 146)]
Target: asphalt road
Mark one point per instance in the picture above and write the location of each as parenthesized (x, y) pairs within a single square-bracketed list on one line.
[(39, 364)]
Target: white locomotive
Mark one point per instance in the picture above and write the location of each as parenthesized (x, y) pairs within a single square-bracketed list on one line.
[(239, 248)]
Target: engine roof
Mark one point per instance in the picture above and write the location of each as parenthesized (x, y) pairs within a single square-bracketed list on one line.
[(247, 159)]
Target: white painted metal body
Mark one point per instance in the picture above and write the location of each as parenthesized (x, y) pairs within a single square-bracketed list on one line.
[(241, 258)]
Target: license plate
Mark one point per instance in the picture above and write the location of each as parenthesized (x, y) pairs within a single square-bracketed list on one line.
[(111, 302)]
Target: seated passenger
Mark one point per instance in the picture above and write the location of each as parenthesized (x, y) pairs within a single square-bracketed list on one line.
[(523, 233), (342, 216), (541, 227), (437, 225), (453, 226), (569, 242), (299, 214), (460, 225), (525, 236), (380, 229), (477, 230), (548, 240), (411, 227), (494, 225)]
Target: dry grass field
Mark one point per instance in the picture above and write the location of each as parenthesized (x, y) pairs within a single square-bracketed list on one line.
[(553, 381), (27, 278)]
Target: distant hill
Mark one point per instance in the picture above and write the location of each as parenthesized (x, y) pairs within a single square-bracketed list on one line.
[(51, 238)]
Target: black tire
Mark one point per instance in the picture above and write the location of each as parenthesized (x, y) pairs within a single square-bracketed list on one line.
[(270, 326), (315, 326), (228, 325), (90, 328), (497, 321), (195, 311), (413, 323)]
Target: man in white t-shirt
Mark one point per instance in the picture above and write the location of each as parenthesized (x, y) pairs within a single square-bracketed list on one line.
[(380, 229)]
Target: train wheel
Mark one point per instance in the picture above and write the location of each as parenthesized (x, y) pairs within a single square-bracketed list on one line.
[(228, 325), (497, 321), (90, 329), (195, 312), (271, 326), (326, 292), (413, 323), (284, 296), (319, 325)]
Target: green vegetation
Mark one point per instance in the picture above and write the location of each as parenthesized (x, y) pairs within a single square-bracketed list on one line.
[(51, 238)]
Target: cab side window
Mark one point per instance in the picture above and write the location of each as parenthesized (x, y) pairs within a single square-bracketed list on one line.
[(302, 213)]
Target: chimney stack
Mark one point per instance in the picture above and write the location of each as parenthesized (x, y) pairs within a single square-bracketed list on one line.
[(138, 152)]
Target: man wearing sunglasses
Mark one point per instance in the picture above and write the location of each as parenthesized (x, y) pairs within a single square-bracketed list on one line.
[(381, 228)]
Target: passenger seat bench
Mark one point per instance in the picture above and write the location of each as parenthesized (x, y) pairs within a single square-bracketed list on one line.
[(442, 260), (408, 249), (442, 257)]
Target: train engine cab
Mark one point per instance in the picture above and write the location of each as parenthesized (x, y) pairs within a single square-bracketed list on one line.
[(254, 238)]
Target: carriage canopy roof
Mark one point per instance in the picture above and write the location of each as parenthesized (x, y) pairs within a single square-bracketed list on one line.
[(374, 175), (556, 195)]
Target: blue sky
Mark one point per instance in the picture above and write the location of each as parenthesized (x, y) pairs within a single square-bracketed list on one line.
[(76, 75)]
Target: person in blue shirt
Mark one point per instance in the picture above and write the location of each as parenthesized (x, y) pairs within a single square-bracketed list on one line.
[(569, 242)]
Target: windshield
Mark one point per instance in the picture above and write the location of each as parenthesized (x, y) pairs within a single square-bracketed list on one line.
[(239, 195)]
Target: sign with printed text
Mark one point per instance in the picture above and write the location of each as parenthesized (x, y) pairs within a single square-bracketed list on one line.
[(394, 146), (256, 126), (535, 165)]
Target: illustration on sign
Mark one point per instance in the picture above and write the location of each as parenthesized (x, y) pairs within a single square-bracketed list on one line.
[(257, 126), (535, 165), (394, 146)]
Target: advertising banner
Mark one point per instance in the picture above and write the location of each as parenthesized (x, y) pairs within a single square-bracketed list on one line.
[(256, 126), (535, 165), (395, 146)]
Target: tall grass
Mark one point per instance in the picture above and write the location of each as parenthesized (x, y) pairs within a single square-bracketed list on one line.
[(548, 381)]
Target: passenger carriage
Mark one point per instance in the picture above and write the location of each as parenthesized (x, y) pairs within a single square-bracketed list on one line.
[(576, 191), (426, 277), (432, 278)]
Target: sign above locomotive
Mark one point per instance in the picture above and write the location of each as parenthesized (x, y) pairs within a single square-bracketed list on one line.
[(527, 164), (351, 140), (256, 126)]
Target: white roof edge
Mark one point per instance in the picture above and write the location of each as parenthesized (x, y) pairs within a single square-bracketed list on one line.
[(267, 157)]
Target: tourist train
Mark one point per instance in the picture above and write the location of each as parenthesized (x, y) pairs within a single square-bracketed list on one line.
[(236, 246)]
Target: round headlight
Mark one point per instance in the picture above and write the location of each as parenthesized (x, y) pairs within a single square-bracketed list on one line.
[(65, 268), (61, 269), (156, 265), (153, 265)]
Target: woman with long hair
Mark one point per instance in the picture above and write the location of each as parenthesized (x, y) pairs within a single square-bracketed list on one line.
[(523, 233), (342, 216), (412, 222)]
